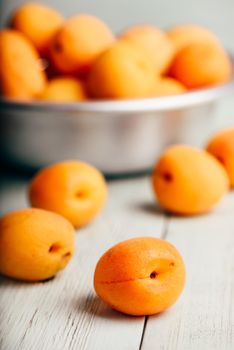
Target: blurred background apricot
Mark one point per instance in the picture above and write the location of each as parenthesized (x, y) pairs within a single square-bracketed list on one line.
[(201, 64), (221, 145), (21, 72), (64, 89), (79, 42), (183, 35), (38, 23), (167, 86), (152, 41), (122, 71)]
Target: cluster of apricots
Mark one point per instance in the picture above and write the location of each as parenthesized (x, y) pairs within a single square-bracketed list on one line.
[(37, 242), (140, 276), (47, 57)]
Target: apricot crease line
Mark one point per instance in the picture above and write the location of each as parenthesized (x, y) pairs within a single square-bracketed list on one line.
[(124, 281)]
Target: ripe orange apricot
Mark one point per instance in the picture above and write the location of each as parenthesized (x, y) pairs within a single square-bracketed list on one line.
[(21, 74), (221, 146), (140, 276), (73, 189), (38, 23), (154, 42), (201, 64), (78, 43), (188, 181), (186, 34), (121, 72), (34, 244), (168, 86), (64, 89)]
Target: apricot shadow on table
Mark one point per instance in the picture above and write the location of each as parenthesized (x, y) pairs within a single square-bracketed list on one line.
[(154, 209), (150, 208), (93, 305), (111, 177), (14, 283)]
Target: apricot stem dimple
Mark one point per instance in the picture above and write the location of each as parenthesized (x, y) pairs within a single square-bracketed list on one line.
[(172, 263), (57, 47), (221, 159), (153, 275), (54, 248), (80, 194), (167, 177)]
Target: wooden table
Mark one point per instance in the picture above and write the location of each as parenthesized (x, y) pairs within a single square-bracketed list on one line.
[(64, 313)]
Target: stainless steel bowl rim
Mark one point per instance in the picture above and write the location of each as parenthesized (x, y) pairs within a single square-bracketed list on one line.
[(164, 103)]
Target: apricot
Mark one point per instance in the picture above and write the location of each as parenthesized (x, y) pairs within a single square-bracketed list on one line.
[(200, 65), (73, 189), (78, 43), (168, 86), (64, 89), (221, 146), (34, 244), (186, 34), (121, 72), (21, 74), (140, 276), (38, 23), (152, 41), (188, 181)]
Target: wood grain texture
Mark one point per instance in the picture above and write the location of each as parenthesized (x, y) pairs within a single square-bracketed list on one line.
[(64, 313), (204, 316)]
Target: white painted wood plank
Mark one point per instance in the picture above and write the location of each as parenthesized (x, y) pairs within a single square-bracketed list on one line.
[(64, 313), (203, 319)]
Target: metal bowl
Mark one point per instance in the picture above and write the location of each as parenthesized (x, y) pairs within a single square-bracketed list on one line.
[(115, 136)]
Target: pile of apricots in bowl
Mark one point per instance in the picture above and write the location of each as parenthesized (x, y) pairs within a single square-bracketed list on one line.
[(139, 276), (49, 58)]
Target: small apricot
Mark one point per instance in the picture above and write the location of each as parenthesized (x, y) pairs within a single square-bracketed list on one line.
[(152, 41), (200, 65), (221, 146), (21, 74), (186, 34), (34, 244), (38, 23), (168, 86), (73, 189), (188, 181), (121, 72), (77, 44), (140, 276), (64, 89)]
